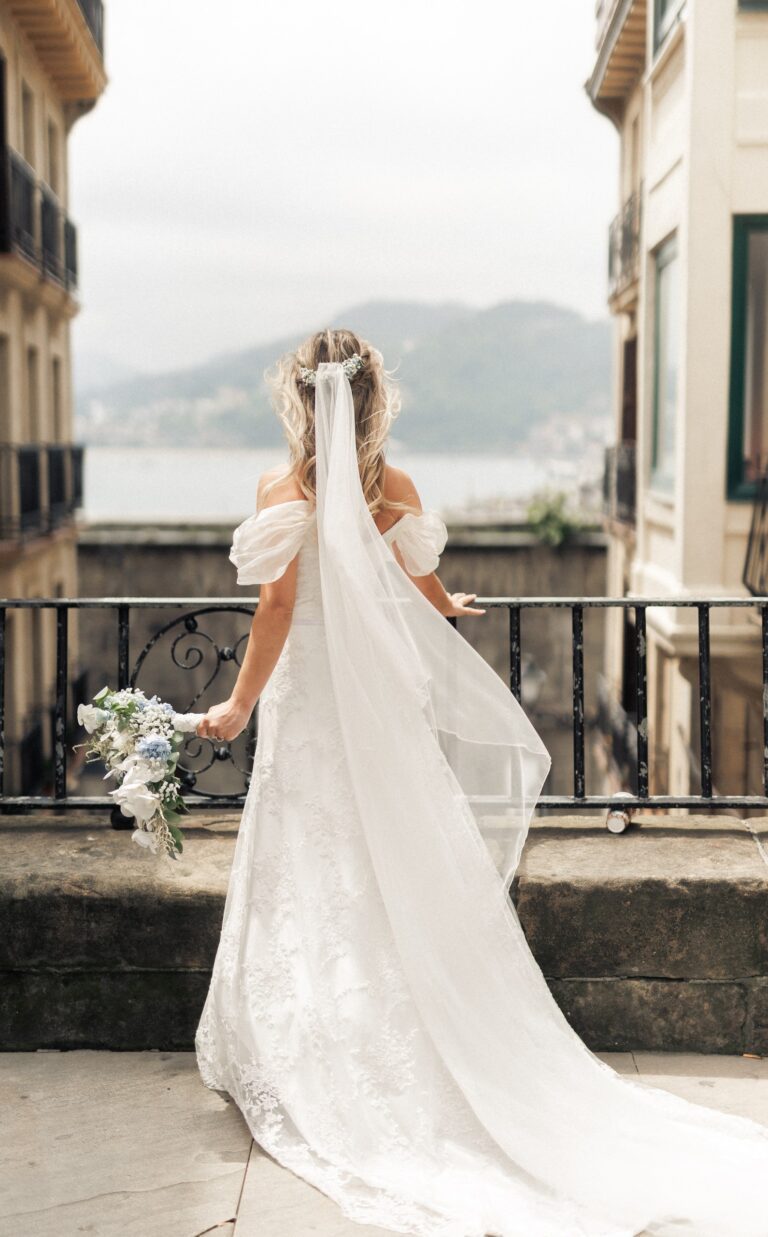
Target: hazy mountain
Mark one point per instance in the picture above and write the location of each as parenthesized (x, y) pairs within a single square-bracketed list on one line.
[(95, 370), (470, 379)]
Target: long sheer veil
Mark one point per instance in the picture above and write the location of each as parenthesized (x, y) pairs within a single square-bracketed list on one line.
[(419, 707)]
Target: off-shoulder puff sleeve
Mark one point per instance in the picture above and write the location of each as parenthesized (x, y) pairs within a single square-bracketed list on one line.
[(421, 540), (264, 544)]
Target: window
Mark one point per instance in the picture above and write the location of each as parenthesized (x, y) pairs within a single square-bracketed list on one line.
[(665, 14), (748, 411), (53, 157), (27, 124), (5, 390), (32, 427), (57, 410), (666, 346)]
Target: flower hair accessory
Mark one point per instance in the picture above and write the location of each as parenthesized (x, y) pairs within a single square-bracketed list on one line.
[(351, 366)]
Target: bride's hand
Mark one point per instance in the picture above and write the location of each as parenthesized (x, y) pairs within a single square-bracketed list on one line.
[(459, 605), (224, 721)]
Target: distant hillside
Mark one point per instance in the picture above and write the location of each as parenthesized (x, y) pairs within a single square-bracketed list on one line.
[(470, 380)]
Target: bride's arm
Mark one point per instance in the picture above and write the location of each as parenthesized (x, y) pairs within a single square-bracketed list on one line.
[(450, 604), (269, 628), (399, 487)]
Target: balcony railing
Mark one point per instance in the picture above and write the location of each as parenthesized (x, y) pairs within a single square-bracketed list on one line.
[(51, 234), (70, 254), (20, 227), (190, 643), (34, 225), (619, 482), (624, 245), (41, 487), (93, 12)]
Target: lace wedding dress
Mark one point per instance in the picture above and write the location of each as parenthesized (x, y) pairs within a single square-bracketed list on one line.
[(374, 1008)]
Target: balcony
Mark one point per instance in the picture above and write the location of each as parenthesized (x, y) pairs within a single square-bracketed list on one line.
[(68, 39), (41, 488), (624, 248), (33, 226), (619, 483), (19, 214), (621, 54)]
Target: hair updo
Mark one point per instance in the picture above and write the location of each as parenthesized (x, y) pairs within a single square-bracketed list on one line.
[(376, 402)]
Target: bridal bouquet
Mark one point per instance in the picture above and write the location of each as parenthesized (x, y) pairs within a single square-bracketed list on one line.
[(139, 740)]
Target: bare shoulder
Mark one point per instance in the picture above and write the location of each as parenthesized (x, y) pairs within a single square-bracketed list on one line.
[(399, 487), (275, 487)]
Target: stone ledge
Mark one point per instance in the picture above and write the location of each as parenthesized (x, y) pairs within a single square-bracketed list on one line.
[(654, 940)]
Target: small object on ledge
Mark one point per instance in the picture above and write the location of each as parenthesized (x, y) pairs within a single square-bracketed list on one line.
[(619, 818)]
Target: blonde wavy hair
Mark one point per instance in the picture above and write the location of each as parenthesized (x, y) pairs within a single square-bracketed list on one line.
[(376, 402)]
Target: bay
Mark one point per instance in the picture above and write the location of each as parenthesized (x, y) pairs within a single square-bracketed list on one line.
[(204, 485)]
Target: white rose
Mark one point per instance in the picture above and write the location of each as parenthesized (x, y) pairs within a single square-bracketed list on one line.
[(140, 769), (135, 798), (89, 716)]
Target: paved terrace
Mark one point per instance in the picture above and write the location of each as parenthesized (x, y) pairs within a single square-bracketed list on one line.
[(655, 943), (105, 1143)]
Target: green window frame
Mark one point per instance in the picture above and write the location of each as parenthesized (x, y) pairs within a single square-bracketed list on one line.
[(739, 485), (665, 13), (757, 5), (666, 366)]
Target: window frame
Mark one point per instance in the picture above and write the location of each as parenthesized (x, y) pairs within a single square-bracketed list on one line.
[(665, 253), (737, 489), (664, 23)]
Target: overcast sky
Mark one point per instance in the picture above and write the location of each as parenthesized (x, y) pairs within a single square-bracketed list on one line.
[(254, 168)]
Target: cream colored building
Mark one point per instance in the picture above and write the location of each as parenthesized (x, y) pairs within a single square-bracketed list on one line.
[(51, 73), (686, 86)]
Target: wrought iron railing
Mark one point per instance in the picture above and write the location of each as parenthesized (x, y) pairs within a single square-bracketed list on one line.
[(190, 644), (70, 254), (51, 234), (41, 487), (619, 482), (624, 244), (19, 230)]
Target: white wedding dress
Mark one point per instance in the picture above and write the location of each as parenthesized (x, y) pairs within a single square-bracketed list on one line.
[(374, 1008)]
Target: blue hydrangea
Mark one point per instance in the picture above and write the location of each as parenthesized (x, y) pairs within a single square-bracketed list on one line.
[(153, 747)]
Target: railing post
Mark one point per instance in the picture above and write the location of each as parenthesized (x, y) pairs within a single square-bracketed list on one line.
[(577, 625), (514, 651), (123, 636), (60, 714), (764, 629), (641, 694), (2, 700), (705, 701)]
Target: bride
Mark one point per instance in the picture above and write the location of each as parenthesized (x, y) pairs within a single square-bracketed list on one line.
[(374, 1008)]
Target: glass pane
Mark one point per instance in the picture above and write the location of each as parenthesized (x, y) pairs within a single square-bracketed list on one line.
[(667, 349), (755, 419), (665, 13)]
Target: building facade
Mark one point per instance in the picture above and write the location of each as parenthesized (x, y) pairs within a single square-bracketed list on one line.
[(51, 73), (685, 83)]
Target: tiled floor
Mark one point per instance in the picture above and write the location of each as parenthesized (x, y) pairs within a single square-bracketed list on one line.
[(108, 1143)]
